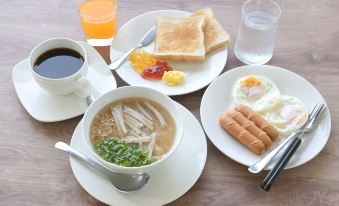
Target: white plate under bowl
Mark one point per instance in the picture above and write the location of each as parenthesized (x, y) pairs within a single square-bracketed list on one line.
[(167, 183), (199, 73), (218, 99), (45, 107)]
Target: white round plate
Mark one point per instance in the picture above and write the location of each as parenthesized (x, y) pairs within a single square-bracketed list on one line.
[(51, 108), (218, 99), (167, 183), (199, 73)]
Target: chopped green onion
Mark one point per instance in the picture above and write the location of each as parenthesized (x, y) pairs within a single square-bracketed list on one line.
[(121, 153)]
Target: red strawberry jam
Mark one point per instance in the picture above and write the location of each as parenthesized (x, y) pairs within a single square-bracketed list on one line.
[(157, 71)]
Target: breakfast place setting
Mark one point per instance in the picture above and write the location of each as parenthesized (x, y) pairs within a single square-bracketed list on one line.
[(169, 103)]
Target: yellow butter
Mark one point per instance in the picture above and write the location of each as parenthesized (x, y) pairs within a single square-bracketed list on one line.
[(173, 78)]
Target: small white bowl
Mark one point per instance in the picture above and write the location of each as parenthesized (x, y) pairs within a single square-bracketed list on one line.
[(129, 92)]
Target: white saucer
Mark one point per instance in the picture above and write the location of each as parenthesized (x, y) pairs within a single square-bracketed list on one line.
[(167, 183), (218, 99), (200, 73), (49, 108)]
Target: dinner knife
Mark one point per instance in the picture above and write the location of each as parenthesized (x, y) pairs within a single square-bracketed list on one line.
[(279, 166), (145, 41)]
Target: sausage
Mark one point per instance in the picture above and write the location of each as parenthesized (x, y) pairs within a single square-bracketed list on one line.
[(259, 121), (251, 127), (242, 135)]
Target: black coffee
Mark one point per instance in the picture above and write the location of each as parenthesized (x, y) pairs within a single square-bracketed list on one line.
[(58, 63)]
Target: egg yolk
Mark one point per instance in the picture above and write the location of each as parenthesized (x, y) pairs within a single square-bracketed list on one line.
[(252, 88), (173, 78), (251, 81), (291, 113)]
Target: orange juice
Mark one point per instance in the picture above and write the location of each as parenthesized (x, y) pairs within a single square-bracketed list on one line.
[(98, 18)]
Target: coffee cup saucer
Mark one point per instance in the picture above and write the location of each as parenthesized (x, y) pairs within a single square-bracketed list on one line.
[(46, 107)]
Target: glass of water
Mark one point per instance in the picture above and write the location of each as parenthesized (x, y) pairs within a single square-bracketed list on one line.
[(257, 32)]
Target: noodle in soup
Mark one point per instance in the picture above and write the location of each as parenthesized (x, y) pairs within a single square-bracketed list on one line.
[(132, 132)]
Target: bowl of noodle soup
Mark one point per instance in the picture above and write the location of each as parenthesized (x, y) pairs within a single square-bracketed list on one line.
[(132, 129)]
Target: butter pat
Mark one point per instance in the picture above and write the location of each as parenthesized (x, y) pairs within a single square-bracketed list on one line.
[(173, 78)]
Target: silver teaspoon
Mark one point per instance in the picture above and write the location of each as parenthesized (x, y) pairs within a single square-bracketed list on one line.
[(121, 182)]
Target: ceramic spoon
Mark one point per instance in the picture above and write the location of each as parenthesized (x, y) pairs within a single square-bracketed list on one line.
[(121, 182)]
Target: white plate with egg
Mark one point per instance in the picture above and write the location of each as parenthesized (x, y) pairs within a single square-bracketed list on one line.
[(220, 95), (198, 74)]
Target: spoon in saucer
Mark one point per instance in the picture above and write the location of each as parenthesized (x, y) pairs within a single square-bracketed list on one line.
[(122, 182)]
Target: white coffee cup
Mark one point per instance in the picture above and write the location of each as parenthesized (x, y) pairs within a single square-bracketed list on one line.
[(60, 86)]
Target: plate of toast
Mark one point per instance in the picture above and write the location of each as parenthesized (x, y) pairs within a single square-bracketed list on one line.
[(195, 44)]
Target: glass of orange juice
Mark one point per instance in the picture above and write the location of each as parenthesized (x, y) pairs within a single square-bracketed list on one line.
[(98, 19)]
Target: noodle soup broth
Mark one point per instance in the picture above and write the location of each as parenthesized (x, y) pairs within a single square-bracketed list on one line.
[(132, 132)]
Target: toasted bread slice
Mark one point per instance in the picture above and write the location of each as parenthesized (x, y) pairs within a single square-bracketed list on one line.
[(180, 39), (205, 12), (215, 36)]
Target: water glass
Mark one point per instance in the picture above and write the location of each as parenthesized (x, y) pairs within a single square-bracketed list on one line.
[(98, 19), (257, 32)]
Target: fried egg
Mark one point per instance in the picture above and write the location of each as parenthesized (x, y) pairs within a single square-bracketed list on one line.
[(256, 92), (288, 114)]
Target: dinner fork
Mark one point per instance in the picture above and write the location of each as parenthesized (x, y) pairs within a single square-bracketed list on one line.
[(289, 152), (261, 164)]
